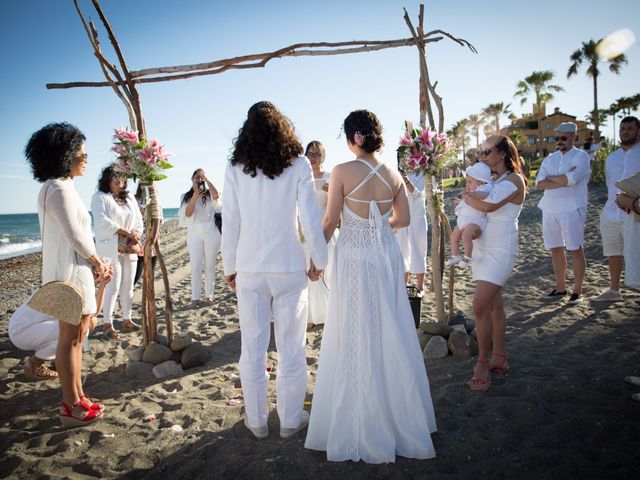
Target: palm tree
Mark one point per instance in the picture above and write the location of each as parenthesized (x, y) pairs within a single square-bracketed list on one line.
[(493, 111), (539, 84), (458, 136), (475, 122), (587, 53), (626, 105)]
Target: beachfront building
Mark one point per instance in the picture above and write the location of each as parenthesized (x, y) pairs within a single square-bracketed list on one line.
[(537, 131)]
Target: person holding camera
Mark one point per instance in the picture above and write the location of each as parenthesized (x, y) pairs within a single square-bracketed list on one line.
[(198, 207)]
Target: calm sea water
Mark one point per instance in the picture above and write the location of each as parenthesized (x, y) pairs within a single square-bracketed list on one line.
[(20, 232)]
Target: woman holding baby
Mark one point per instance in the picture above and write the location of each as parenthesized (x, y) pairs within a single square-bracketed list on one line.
[(494, 254)]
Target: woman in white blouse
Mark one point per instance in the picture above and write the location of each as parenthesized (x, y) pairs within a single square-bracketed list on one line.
[(56, 154), (118, 229), (198, 207)]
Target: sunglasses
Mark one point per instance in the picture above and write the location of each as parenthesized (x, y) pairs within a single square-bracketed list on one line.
[(485, 153), (563, 138), (312, 154)]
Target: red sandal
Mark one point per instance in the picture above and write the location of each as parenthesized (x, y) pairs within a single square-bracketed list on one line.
[(477, 383), (70, 420), (92, 405), (503, 366)]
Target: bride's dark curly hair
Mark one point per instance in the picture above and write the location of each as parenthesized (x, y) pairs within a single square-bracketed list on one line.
[(267, 141), (368, 126)]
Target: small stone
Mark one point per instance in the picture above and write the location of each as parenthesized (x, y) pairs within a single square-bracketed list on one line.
[(436, 348), (470, 324), (77, 443), (459, 327), (134, 354), (423, 339), (180, 342), (156, 353), (194, 355), (176, 428), (435, 328), (460, 345), (138, 369), (167, 369)]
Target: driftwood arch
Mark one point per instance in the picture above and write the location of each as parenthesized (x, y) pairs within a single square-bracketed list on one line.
[(123, 81)]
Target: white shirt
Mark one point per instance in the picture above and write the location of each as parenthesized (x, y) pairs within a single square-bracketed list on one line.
[(65, 228), (416, 198), (619, 165), (109, 217), (259, 217), (575, 194), (202, 220)]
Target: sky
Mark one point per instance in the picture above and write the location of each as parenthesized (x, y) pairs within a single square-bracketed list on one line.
[(43, 41)]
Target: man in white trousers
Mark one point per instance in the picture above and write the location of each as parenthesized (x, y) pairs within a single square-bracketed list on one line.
[(265, 191)]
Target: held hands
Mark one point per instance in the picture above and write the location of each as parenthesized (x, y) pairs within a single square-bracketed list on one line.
[(314, 273), (231, 280), (325, 187)]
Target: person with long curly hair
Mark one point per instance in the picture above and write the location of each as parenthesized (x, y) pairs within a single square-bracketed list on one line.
[(495, 253), (269, 186), (371, 400)]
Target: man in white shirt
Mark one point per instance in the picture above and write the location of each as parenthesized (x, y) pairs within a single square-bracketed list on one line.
[(564, 176), (622, 163)]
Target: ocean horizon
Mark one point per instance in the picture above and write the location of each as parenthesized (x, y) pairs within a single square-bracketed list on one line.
[(20, 232)]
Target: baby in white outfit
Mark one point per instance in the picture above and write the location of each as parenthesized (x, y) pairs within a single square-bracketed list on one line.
[(470, 222)]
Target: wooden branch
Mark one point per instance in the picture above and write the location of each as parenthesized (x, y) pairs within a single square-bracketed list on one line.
[(260, 60), (125, 70), (168, 311), (92, 33)]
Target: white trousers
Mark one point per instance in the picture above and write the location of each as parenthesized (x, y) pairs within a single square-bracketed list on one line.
[(32, 330), (120, 285), (282, 296), (202, 253)]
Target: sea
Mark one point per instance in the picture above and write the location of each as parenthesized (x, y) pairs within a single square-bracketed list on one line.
[(20, 232)]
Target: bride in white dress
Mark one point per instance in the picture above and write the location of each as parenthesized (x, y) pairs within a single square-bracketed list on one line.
[(372, 399)]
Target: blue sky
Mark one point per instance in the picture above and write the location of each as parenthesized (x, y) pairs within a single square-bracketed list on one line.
[(43, 41)]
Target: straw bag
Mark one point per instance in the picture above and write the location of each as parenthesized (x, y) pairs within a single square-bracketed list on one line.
[(58, 299)]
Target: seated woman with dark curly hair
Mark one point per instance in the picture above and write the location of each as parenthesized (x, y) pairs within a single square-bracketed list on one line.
[(57, 155)]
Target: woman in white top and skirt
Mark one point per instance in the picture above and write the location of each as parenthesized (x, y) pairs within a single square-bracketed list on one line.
[(319, 290), (118, 230), (198, 207), (494, 254), (57, 155)]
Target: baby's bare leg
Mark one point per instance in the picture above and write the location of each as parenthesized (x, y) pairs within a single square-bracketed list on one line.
[(471, 232), (455, 241)]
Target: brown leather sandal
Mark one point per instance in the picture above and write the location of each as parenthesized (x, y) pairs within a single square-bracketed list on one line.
[(38, 371)]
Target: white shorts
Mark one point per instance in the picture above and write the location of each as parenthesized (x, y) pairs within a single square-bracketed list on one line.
[(564, 229), (611, 233)]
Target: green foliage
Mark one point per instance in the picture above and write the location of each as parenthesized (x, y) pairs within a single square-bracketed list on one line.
[(598, 164)]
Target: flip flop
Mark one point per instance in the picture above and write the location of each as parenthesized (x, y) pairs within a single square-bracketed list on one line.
[(111, 334), (129, 326)]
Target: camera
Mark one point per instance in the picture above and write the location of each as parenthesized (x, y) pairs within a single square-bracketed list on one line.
[(201, 185)]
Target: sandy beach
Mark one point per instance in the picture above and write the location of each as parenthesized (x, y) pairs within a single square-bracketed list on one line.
[(563, 410)]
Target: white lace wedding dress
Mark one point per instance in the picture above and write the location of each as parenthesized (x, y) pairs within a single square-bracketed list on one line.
[(372, 399)]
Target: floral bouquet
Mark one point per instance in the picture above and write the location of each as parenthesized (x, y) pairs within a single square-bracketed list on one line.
[(140, 160), (423, 151)]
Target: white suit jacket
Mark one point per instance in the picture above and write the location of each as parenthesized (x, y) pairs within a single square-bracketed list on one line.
[(104, 211), (260, 221)]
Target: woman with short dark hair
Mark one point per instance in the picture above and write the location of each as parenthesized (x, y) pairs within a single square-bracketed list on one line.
[(57, 155), (118, 230)]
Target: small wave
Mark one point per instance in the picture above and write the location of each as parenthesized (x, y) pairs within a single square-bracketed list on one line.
[(4, 240), (16, 249)]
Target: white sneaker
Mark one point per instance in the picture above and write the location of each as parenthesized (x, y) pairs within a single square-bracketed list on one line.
[(452, 261), (608, 296), (465, 262), (288, 432), (258, 432)]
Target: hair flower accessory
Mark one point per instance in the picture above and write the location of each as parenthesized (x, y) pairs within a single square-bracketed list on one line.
[(423, 150), (358, 138), (139, 159)]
